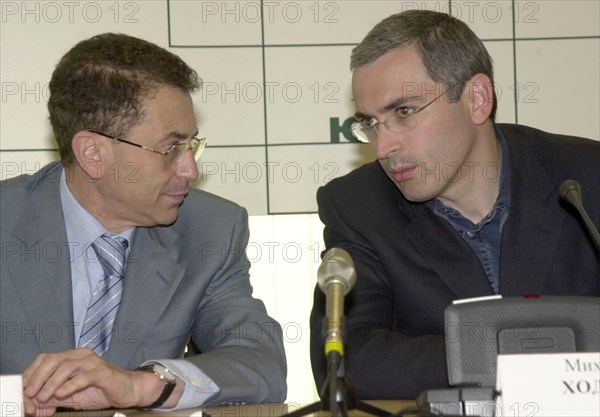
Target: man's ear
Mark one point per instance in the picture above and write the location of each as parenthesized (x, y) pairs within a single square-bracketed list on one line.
[(89, 153), (481, 94)]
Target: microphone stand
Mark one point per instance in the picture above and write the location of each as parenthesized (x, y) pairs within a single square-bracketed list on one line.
[(337, 394), (336, 276)]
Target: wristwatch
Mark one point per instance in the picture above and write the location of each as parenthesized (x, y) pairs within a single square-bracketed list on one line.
[(165, 375)]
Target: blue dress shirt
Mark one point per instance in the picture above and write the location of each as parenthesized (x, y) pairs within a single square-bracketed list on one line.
[(86, 272), (485, 237)]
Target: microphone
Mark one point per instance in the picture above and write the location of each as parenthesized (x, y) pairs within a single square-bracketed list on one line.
[(570, 191), (336, 277)]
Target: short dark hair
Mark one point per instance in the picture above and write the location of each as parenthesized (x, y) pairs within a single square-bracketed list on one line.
[(451, 52), (101, 83)]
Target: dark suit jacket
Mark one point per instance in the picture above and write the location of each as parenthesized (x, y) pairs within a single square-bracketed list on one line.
[(411, 264), (187, 280)]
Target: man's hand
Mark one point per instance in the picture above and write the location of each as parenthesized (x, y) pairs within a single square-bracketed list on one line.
[(81, 379)]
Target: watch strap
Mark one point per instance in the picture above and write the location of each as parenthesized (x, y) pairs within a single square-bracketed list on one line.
[(167, 391)]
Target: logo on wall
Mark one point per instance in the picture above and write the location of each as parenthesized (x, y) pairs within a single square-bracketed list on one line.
[(336, 129)]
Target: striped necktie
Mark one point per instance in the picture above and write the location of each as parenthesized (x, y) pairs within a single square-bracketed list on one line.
[(102, 310)]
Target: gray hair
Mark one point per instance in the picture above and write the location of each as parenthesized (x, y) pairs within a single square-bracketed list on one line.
[(451, 52)]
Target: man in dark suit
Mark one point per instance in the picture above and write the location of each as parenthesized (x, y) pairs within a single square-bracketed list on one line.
[(456, 206), (111, 264)]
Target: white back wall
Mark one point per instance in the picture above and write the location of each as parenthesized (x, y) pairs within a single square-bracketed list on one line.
[(276, 103)]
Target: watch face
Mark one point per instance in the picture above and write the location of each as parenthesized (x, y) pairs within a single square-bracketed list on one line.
[(165, 374)]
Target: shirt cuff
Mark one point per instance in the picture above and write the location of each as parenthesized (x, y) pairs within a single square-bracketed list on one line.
[(199, 387)]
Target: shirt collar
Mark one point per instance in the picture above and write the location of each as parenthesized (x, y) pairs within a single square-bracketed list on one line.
[(82, 228), (503, 199)]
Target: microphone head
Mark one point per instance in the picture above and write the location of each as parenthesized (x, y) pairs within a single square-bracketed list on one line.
[(570, 190), (337, 267)]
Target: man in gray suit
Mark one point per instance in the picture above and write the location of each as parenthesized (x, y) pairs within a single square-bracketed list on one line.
[(165, 271)]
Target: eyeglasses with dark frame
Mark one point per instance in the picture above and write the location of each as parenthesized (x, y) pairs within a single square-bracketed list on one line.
[(402, 120), (172, 153)]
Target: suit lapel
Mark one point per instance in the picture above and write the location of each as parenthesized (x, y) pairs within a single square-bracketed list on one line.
[(530, 235), (151, 277), (42, 274), (453, 261)]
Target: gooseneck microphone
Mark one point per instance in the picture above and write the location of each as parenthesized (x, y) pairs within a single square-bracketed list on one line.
[(570, 191), (336, 277)]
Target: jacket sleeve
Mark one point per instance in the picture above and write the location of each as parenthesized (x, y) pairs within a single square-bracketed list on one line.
[(381, 360), (241, 346)]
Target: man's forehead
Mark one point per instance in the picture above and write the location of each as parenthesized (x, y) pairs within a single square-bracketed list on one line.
[(398, 76), (401, 66)]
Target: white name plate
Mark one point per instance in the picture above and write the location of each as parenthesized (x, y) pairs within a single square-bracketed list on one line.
[(548, 385), (11, 396)]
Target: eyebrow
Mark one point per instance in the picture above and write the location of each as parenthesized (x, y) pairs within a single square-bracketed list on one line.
[(388, 107), (178, 136)]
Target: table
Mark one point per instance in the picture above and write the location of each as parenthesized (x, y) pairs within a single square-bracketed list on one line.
[(243, 410)]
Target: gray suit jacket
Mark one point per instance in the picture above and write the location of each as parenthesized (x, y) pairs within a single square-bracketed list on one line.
[(187, 280)]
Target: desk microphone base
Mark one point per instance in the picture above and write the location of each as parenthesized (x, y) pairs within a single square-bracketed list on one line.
[(463, 401), (337, 395), (343, 409)]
